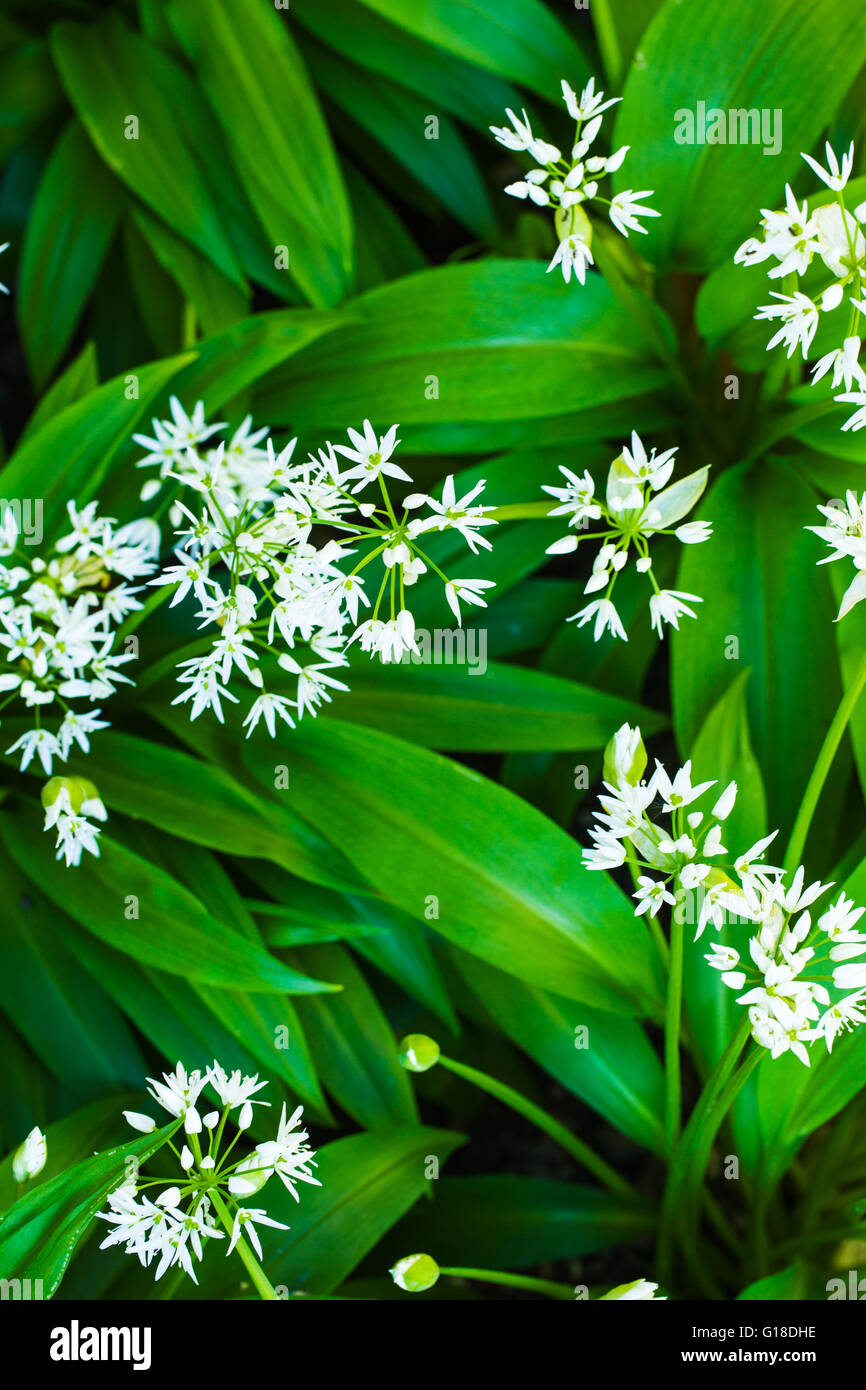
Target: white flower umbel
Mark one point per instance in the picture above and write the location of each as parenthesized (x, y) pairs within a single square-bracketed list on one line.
[(797, 981), (69, 803), (569, 183), (832, 236), (167, 1223), (845, 533), (640, 503), (59, 614), (275, 555), (801, 981)]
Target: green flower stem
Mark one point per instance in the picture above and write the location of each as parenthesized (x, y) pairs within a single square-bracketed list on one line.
[(824, 761), (685, 1171), (513, 1281), (673, 1089), (545, 1122), (523, 511), (261, 1281), (608, 42)]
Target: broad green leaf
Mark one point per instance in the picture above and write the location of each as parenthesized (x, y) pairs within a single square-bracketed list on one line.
[(79, 379), (67, 238), (305, 913), (795, 1283), (230, 361), (145, 913), (450, 345), (107, 71), (197, 801), (504, 1222), (377, 46), (39, 1233), (70, 1140), (368, 1182), (768, 607), (399, 121), (30, 90), (83, 440), (482, 867), (247, 61), (607, 1061), (216, 300), (522, 40), (71, 1023), (354, 1046), (786, 64), (476, 706)]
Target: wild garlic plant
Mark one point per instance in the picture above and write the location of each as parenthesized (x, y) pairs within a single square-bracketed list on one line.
[(793, 237), (569, 183), (209, 1199), (637, 506), (797, 983), (59, 617), (275, 554)]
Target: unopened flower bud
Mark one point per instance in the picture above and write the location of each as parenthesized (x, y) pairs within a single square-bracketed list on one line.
[(29, 1158), (415, 1273), (625, 757), (417, 1052), (139, 1121)]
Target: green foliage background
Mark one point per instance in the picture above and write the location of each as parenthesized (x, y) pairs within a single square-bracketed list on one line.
[(309, 128)]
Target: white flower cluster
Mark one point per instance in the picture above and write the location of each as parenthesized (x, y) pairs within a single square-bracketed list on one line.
[(786, 1008), (265, 585), (569, 184), (175, 1226), (678, 854), (57, 621), (638, 505), (176, 450), (69, 802), (845, 533), (792, 238)]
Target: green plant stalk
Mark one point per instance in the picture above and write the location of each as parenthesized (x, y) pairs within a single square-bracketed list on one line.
[(705, 1119), (261, 1281), (608, 41), (545, 1122), (673, 1086), (514, 1281), (823, 763)]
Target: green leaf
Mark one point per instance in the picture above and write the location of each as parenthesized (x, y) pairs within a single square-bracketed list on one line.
[(795, 1283), (216, 300), (197, 801), (768, 607), (78, 380), (399, 121), (173, 933), (108, 73), (39, 1233), (605, 1060), (374, 44), (784, 60), (83, 440), (368, 1182), (521, 40), (354, 1046), (71, 1023), (247, 61), (507, 884), (504, 1222), (65, 244), (472, 708), (70, 1140), (448, 345)]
